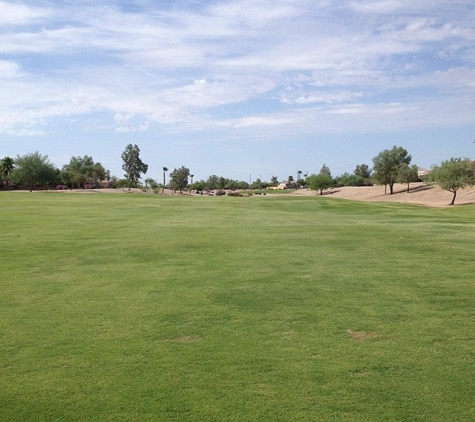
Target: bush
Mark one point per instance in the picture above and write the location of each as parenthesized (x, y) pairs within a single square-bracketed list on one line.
[(122, 183)]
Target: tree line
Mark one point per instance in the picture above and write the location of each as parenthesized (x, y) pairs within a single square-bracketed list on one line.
[(391, 166)]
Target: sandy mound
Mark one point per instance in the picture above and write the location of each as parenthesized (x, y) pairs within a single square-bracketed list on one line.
[(419, 193)]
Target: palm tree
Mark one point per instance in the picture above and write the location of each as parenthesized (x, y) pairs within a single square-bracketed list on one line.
[(7, 165), (165, 169), (299, 173), (191, 186)]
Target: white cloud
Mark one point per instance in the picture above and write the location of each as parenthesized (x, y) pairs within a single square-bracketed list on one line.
[(179, 66), (323, 97), (377, 7), (20, 14), (9, 69), (263, 121)]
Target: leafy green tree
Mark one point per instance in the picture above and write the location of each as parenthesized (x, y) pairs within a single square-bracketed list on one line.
[(133, 165), (76, 172), (98, 173), (221, 183), (386, 166), (231, 184), (112, 181), (407, 174), (82, 170), (320, 182), (325, 170), (257, 184), (363, 171), (347, 179), (212, 182), (199, 186), (152, 184), (7, 164), (179, 177), (34, 170), (122, 183), (454, 174), (242, 185)]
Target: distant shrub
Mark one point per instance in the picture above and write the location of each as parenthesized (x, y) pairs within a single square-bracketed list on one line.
[(235, 193), (122, 183)]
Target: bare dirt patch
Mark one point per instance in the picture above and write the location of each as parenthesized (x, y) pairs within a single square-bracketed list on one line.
[(419, 193)]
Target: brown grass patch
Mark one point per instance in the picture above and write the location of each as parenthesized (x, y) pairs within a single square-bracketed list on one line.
[(362, 335), (187, 339)]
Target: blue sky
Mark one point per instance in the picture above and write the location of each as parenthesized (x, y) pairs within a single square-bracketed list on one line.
[(238, 88)]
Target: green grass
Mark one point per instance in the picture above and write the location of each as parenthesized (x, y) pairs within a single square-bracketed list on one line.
[(152, 308)]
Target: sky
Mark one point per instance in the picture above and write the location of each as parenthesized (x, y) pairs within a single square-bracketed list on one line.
[(243, 89)]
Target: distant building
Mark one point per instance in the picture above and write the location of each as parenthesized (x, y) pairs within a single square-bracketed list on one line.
[(422, 172)]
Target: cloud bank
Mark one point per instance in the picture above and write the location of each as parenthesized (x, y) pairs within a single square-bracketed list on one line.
[(268, 67)]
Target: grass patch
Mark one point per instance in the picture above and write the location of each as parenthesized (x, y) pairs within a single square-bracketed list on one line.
[(131, 307)]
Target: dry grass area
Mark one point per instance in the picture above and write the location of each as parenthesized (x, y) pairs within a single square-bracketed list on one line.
[(419, 193), (362, 335)]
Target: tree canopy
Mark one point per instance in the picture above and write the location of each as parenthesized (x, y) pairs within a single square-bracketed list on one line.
[(133, 165), (34, 170), (362, 170), (347, 179), (81, 171), (407, 174), (386, 166), (320, 182), (7, 164), (454, 174), (325, 170), (179, 178)]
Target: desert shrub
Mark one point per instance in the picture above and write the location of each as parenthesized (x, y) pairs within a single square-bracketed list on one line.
[(122, 183)]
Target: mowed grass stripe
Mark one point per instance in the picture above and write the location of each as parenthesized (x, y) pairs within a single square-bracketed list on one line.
[(135, 307)]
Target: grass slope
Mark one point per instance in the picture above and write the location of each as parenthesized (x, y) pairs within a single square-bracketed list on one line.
[(127, 308)]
